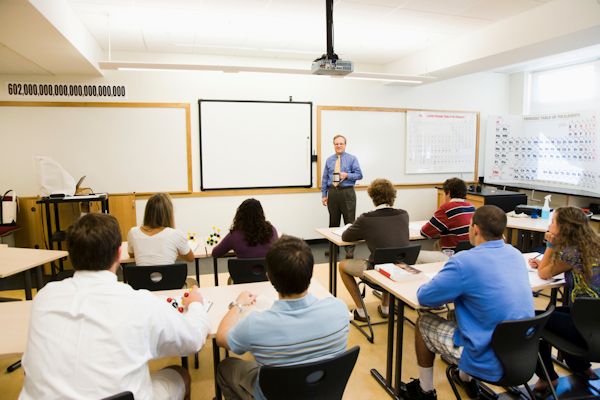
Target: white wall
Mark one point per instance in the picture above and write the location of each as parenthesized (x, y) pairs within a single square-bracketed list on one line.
[(296, 214)]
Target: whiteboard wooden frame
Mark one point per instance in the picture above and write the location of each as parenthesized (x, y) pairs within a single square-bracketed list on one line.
[(183, 106), (321, 157)]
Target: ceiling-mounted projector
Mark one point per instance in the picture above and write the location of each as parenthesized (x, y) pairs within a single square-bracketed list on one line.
[(325, 66), (329, 63)]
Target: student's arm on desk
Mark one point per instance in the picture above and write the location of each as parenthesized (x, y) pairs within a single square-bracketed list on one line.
[(547, 267), (354, 232), (178, 333), (223, 247), (429, 230), (231, 320), (443, 288)]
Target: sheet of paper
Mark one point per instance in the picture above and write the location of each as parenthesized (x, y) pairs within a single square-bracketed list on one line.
[(193, 244), (535, 280), (339, 231), (415, 226)]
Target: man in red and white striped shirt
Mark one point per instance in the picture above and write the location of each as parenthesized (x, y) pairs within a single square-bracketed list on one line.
[(450, 223)]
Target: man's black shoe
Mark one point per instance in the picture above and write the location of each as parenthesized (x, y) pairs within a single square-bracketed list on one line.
[(412, 390), (471, 388)]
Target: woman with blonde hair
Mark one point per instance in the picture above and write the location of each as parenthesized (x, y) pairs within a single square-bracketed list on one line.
[(572, 248), (157, 242)]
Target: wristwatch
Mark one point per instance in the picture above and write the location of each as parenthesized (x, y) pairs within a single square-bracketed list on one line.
[(236, 304)]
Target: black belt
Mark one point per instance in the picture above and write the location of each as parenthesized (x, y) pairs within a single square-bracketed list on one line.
[(340, 187)]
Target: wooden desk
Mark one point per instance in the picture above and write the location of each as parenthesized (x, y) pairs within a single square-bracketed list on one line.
[(14, 260), (335, 241), (529, 231), (14, 316), (406, 294)]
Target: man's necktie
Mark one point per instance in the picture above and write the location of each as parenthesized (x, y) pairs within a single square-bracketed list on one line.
[(336, 171)]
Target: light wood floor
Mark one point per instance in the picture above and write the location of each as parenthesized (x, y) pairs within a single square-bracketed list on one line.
[(361, 385)]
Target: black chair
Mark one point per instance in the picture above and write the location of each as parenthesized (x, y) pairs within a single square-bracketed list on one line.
[(516, 344), (395, 255), (120, 396), (247, 270), (462, 246), (320, 380), (155, 277), (158, 277), (585, 312)]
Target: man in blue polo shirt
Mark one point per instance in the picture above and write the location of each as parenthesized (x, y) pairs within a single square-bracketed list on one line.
[(488, 284), (297, 329)]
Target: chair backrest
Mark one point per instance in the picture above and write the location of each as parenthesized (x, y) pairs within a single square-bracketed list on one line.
[(396, 255), (321, 380), (247, 270), (464, 245), (585, 312), (516, 344), (120, 396), (155, 277)]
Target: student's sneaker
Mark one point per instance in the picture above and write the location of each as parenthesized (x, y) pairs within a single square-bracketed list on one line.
[(471, 388), (412, 390), (382, 314), (357, 317)]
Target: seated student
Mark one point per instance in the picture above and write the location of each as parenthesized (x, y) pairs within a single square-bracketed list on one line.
[(572, 247), (91, 337), (298, 328), (450, 222), (157, 242), (488, 284), (383, 227), (250, 235)]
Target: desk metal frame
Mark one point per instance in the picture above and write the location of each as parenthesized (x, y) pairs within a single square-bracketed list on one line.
[(394, 359), (55, 201)]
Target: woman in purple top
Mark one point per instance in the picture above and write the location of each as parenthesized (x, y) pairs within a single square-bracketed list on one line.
[(250, 235)]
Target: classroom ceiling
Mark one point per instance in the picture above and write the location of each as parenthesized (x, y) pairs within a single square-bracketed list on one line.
[(433, 39), (365, 31)]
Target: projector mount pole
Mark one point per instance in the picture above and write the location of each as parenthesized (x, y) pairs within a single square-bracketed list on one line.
[(329, 28)]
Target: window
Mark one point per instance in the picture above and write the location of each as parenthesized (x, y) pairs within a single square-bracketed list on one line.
[(572, 88)]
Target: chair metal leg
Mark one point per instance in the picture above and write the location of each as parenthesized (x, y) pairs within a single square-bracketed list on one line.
[(196, 362), (451, 381), (554, 395), (529, 392), (370, 336)]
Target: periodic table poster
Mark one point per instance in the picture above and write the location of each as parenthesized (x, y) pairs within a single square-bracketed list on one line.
[(557, 152), (438, 141)]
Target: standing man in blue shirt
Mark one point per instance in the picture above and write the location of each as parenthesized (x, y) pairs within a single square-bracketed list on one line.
[(337, 186), (488, 284)]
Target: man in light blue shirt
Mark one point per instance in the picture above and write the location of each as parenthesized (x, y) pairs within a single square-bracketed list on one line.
[(297, 329), (488, 284), (340, 174)]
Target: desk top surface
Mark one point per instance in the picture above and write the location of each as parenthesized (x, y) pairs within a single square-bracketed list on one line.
[(414, 233), (200, 252), (16, 314), (15, 259), (528, 224), (76, 198), (407, 290)]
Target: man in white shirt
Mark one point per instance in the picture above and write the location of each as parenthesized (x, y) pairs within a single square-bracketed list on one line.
[(91, 336)]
